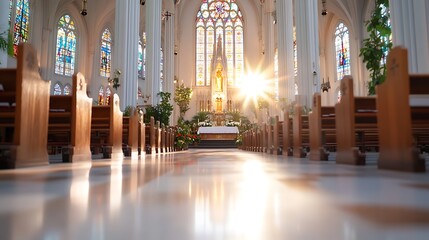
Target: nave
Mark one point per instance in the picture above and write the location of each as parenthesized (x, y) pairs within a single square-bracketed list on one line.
[(212, 194)]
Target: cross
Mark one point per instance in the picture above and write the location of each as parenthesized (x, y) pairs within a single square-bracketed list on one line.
[(166, 15)]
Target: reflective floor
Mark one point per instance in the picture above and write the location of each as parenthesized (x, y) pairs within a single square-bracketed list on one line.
[(212, 194)]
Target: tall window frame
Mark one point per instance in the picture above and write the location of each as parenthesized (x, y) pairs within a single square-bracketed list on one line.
[(106, 53), (342, 50), (21, 22), (214, 18), (66, 46)]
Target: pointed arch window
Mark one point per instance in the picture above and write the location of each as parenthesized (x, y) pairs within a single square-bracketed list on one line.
[(58, 89), (219, 18), (140, 59), (106, 53), (66, 46), (295, 53), (67, 89), (342, 50), (21, 25), (385, 13)]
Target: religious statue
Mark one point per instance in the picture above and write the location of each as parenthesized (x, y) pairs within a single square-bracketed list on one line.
[(219, 80)]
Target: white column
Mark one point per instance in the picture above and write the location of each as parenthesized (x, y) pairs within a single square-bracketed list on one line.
[(169, 56), (125, 51), (268, 9), (307, 37), (4, 26), (410, 29), (284, 13), (153, 46)]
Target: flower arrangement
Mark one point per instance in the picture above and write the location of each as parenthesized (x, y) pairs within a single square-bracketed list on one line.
[(206, 123), (115, 81), (184, 137), (230, 123)]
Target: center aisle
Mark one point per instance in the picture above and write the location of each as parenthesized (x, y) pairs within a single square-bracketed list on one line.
[(213, 194)]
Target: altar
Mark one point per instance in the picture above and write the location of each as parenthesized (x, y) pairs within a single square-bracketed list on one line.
[(218, 133)]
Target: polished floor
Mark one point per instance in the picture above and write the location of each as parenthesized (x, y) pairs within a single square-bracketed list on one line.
[(213, 194)]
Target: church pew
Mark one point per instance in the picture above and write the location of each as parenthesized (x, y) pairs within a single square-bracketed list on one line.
[(141, 135), (322, 129), (277, 136), (300, 133), (355, 117), (130, 134), (106, 129), (70, 122), (150, 137), (24, 112), (403, 123), (287, 135), (270, 135), (158, 132)]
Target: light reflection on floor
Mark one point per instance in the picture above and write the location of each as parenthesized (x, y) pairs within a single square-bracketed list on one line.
[(212, 194)]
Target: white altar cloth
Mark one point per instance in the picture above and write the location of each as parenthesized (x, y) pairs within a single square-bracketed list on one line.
[(217, 130)]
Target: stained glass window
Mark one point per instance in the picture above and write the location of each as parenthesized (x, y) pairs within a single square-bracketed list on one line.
[(342, 50), (295, 53), (66, 46), (161, 70), (386, 13), (106, 53), (67, 89), (57, 89), (20, 30), (144, 55), (219, 18), (108, 95), (140, 60), (101, 96)]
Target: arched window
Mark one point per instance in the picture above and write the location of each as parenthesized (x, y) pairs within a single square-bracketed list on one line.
[(295, 53), (386, 13), (276, 74), (67, 89), (66, 46), (342, 50), (161, 70), (105, 53), (101, 96), (21, 25), (140, 60), (58, 89), (219, 18)]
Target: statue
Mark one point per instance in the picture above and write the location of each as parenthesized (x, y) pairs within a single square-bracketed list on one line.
[(219, 80)]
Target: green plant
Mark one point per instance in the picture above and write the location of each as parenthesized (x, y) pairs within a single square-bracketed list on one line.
[(3, 41), (162, 111), (182, 96), (377, 44), (128, 110), (115, 79)]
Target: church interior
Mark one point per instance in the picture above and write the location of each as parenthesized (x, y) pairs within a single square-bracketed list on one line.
[(214, 119)]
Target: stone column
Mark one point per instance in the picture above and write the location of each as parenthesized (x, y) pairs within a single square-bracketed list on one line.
[(4, 26), (125, 50), (169, 52), (284, 14), (153, 47), (268, 18), (307, 37), (410, 29)]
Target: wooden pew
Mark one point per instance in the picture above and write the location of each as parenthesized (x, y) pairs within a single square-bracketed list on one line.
[(355, 117), (287, 135), (24, 116), (106, 129), (322, 129), (402, 126), (300, 133), (130, 134), (150, 137), (277, 136), (70, 122), (141, 135)]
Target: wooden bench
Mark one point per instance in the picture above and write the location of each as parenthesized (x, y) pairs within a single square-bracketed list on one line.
[(287, 148), (106, 129), (403, 127), (300, 133), (277, 136), (24, 114), (130, 134), (70, 122), (356, 125), (150, 137), (322, 129), (141, 135)]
